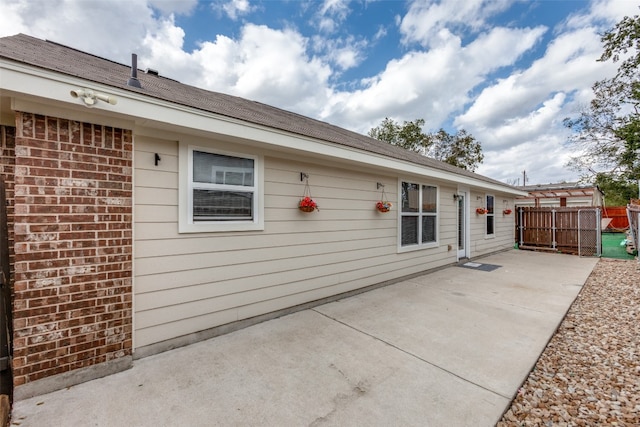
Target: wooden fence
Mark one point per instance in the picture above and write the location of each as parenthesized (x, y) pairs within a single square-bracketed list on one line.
[(618, 216), (560, 229)]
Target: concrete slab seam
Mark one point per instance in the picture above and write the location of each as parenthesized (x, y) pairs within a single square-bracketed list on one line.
[(415, 356)]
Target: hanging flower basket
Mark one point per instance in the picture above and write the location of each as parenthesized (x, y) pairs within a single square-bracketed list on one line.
[(507, 211), (384, 206), (481, 211), (307, 204)]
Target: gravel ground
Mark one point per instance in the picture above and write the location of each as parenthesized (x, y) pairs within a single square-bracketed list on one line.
[(589, 373)]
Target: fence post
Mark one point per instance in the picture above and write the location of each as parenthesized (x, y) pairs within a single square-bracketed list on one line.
[(553, 229), (599, 232)]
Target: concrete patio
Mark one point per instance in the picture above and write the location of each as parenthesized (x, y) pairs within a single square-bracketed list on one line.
[(449, 348)]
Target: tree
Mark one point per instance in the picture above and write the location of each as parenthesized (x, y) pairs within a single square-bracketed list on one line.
[(608, 131), (409, 135), (461, 150), (616, 192)]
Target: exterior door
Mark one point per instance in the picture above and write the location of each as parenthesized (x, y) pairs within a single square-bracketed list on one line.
[(463, 224)]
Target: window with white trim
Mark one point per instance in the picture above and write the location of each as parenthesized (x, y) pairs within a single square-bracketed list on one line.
[(419, 214), (223, 191), (222, 187), (490, 216)]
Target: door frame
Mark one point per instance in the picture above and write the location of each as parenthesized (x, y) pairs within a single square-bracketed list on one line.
[(465, 222)]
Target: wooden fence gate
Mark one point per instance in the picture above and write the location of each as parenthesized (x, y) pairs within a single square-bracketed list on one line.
[(560, 229)]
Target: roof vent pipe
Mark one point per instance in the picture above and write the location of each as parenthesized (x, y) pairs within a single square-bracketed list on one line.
[(133, 80)]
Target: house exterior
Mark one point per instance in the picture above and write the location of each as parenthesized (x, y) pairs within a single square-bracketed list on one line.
[(567, 194), (146, 218)]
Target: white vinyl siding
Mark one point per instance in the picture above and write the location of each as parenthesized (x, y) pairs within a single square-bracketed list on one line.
[(186, 283), (504, 226)]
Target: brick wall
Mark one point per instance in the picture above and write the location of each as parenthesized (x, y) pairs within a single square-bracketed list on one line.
[(7, 167), (73, 246)]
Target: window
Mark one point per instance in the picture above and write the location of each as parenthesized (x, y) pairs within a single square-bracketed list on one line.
[(222, 187), (220, 191), (490, 217), (419, 215)]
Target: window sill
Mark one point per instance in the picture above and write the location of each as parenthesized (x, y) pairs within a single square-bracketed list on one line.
[(414, 248), (221, 227)]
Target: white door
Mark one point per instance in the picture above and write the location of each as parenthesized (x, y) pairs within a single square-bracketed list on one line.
[(463, 224)]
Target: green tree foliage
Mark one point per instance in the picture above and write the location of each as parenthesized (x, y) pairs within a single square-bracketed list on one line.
[(616, 192), (461, 150), (409, 135), (607, 133)]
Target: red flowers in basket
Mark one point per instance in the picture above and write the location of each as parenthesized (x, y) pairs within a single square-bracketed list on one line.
[(482, 211), (307, 204), (507, 211), (384, 206)]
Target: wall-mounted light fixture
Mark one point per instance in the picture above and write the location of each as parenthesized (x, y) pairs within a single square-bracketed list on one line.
[(456, 196), (90, 97)]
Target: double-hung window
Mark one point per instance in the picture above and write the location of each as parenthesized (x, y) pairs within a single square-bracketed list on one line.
[(490, 217), (419, 215), (222, 191)]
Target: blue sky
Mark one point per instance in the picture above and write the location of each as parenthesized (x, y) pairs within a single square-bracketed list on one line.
[(506, 71)]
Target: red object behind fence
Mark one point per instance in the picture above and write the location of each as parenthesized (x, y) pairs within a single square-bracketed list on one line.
[(618, 216)]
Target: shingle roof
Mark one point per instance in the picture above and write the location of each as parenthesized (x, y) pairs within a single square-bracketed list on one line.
[(65, 60)]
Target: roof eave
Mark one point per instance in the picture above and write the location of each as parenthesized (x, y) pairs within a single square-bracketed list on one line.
[(50, 87)]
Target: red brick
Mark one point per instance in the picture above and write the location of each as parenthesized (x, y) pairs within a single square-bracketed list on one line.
[(73, 221)]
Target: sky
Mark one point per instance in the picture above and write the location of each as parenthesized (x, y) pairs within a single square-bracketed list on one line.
[(506, 71)]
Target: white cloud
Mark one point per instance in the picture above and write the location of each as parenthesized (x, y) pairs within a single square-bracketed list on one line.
[(163, 51), (14, 12), (569, 64), (429, 84), (606, 12), (526, 127), (263, 64), (168, 7), (96, 27), (543, 158), (501, 46), (331, 14), (235, 8), (344, 53), (429, 23), (523, 112), (381, 33)]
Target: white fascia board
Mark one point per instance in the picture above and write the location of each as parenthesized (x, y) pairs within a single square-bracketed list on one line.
[(147, 111)]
